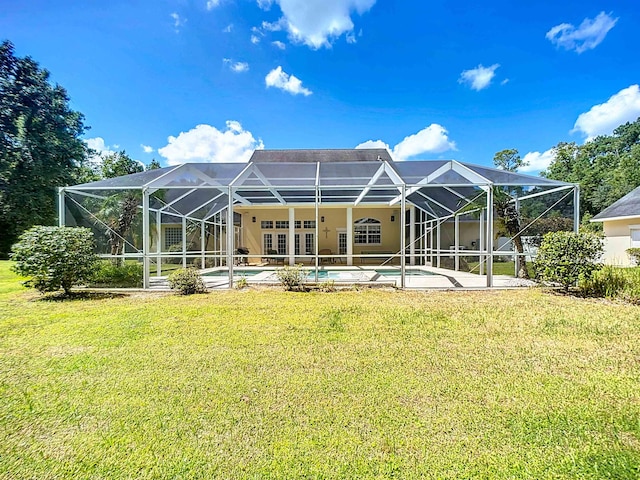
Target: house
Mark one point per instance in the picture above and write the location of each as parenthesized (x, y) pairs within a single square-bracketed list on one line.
[(351, 207), (621, 225)]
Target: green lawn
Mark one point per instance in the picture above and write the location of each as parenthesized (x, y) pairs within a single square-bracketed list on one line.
[(268, 384)]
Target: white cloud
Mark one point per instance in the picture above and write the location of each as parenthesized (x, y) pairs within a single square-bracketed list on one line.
[(289, 83), (279, 44), (205, 143), (602, 119), (480, 77), (432, 139), (211, 4), (255, 39), (317, 23), (587, 36), (273, 26), (97, 144), (374, 144), (228, 28), (146, 148), (237, 67), (178, 21), (536, 161)]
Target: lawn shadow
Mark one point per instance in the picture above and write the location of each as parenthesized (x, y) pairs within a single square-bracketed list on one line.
[(75, 296)]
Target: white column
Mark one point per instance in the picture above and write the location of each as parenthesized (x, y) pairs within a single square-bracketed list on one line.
[(184, 242), (292, 236), (62, 220), (576, 208), (317, 231), (489, 237), (145, 238), (431, 241), (482, 239), (516, 258), (230, 246), (412, 235), (159, 243), (438, 242), (203, 245), (349, 236), (403, 246), (456, 241)]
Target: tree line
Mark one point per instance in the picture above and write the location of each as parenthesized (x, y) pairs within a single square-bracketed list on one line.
[(41, 147)]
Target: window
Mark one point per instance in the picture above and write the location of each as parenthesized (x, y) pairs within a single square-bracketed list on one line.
[(266, 224), (282, 223), (297, 244), (297, 224), (309, 243), (367, 231), (267, 243), (172, 236), (308, 224), (634, 233), (282, 244)]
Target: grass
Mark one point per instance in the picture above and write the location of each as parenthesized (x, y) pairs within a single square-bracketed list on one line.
[(270, 384)]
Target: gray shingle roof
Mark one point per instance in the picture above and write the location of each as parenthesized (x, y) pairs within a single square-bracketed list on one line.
[(322, 155), (627, 206)]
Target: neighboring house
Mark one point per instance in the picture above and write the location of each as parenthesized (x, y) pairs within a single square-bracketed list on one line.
[(621, 224)]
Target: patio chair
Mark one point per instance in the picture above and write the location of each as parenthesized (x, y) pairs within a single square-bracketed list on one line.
[(326, 251), (244, 260), (271, 259)]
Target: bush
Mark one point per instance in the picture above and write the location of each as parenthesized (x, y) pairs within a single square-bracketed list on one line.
[(54, 257), (242, 283), (634, 254), (607, 282), (291, 277), (327, 286), (106, 274), (186, 281), (614, 282), (566, 257)]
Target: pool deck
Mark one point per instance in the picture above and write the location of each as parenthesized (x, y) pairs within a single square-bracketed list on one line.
[(439, 278)]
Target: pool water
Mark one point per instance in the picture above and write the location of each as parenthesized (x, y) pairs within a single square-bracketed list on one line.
[(354, 275)]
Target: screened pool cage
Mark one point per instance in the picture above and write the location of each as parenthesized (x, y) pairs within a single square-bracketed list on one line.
[(316, 207)]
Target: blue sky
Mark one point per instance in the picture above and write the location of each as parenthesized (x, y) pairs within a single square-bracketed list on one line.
[(210, 80)]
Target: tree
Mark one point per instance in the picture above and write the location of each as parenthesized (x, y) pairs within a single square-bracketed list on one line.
[(120, 210), (54, 257), (154, 165), (40, 145), (507, 214), (509, 160), (118, 164), (606, 167)]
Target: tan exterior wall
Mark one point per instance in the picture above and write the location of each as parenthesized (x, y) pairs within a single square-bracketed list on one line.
[(617, 240), (334, 220)]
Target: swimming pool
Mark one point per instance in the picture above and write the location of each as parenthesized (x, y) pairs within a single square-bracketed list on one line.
[(356, 275)]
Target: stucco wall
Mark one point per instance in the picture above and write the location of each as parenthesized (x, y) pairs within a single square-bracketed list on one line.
[(617, 241), (334, 219)]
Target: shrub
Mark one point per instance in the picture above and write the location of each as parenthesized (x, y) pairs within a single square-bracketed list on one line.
[(614, 282), (242, 283), (106, 274), (291, 277), (54, 257), (186, 281), (634, 253), (327, 286), (566, 257), (607, 282)]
